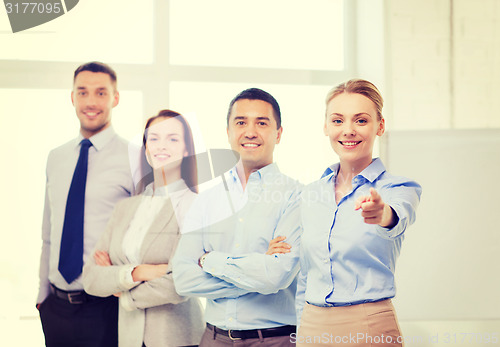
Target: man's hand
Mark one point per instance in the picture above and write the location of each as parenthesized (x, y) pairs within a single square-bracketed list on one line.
[(201, 260), (148, 272), (277, 246), (375, 211)]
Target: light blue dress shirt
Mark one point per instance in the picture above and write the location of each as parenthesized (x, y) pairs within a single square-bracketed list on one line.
[(345, 261), (244, 287)]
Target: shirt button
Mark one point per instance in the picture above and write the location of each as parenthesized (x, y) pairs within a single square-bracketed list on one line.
[(241, 220), (237, 245), (230, 319)]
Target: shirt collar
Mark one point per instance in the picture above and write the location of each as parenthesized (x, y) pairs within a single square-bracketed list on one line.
[(99, 140), (374, 170), (261, 175), (370, 173)]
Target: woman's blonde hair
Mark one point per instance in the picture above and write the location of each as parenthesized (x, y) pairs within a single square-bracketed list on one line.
[(359, 86)]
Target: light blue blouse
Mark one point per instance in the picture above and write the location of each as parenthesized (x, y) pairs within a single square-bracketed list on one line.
[(345, 261)]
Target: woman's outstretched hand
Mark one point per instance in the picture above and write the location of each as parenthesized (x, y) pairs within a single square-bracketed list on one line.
[(375, 210)]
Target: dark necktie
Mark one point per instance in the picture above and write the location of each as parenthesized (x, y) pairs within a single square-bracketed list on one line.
[(71, 253)]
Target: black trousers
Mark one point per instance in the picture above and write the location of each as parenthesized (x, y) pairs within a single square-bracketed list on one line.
[(91, 324)]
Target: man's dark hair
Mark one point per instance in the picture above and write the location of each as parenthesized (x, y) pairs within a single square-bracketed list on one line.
[(257, 94), (95, 66)]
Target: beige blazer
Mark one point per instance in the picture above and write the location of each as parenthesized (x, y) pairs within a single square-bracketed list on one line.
[(159, 316)]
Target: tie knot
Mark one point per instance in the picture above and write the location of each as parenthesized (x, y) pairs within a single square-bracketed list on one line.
[(86, 143)]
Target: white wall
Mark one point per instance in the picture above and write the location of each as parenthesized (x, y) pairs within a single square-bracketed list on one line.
[(443, 73), (450, 258)]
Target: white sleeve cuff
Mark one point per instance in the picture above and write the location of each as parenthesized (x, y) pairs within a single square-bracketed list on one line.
[(126, 281), (126, 301)]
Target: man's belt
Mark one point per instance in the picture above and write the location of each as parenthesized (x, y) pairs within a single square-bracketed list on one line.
[(73, 297), (285, 330)]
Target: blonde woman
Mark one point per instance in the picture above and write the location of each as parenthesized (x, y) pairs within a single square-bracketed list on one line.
[(354, 221)]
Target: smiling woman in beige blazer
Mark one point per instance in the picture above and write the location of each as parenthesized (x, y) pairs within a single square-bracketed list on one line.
[(131, 260)]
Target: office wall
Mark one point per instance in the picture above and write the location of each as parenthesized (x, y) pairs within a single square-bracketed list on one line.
[(442, 63), (450, 261), (447, 274)]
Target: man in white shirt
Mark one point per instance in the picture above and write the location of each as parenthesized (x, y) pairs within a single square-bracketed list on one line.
[(71, 317)]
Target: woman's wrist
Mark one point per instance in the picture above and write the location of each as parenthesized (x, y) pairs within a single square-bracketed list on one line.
[(389, 218)]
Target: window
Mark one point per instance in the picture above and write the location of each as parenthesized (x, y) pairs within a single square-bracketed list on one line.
[(275, 34), (92, 30)]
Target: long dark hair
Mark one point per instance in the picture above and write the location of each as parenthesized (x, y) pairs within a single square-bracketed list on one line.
[(189, 170)]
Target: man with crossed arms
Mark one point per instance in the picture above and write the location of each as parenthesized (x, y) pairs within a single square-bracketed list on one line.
[(232, 250)]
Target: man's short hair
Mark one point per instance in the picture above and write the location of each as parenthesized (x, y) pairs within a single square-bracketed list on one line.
[(96, 66), (257, 94)]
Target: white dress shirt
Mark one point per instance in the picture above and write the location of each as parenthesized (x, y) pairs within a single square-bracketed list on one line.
[(153, 200), (109, 179)]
